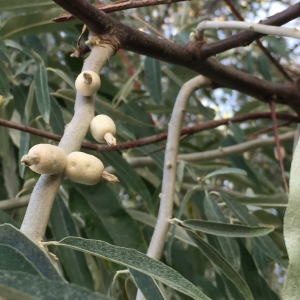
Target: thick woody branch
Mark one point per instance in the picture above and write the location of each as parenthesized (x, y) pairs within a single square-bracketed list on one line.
[(43, 195), (154, 138), (194, 54)]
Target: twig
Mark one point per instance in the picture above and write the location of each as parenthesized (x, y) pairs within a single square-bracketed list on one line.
[(138, 162), (43, 195), (147, 25), (169, 173), (261, 28), (272, 108), (164, 147), (261, 46), (14, 203), (265, 130), (170, 164), (119, 5), (154, 138), (236, 149)]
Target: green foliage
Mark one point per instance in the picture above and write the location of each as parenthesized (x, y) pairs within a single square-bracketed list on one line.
[(229, 243)]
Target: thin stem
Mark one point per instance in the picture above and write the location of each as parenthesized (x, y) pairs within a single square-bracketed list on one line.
[(43, 195), (154, 138), (138, 162), (119, 5), (277, 143), (147, 25), (265, 130), (261, 28), (170, 164), (261, 46)]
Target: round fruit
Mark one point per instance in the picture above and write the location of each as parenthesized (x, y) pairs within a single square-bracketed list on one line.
[(103, 129), (87, 83), (45, 159), (83, 168)]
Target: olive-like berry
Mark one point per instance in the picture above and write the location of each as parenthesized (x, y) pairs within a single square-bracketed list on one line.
[(45, 159), (86, 169), (87, 83), (103, 129)]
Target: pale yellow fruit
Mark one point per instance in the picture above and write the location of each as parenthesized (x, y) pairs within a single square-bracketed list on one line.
[(100, 126), (87, 83), (84, 168), (249, 154), (45, 159), (282, 150)]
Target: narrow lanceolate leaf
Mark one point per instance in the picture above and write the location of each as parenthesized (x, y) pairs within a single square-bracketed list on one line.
[(265, 243), (20, 285), (122, 229), (128, 177), (230, 248), (224, 229), (153, 79), (42, 92), (11, 236), (257, 284), (57, 122), (4, 82), (13, 260), (226, 171), (63, 76), (137, 261), (147, 286), (74, 262), (16, 5), (292, 232), (220, 262), (6, 218), (31, 24)]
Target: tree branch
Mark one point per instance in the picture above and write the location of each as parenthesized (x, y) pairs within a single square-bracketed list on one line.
[(138, 162), (119, 5), (261, 28), (246, 37), (194, 54), (154, 138), (261, 46), (43, 195), (170, 164)]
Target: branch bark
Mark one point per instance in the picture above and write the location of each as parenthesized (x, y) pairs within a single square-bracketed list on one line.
[(261, 28), (194, 55), (261, 46), (138, 162), (43, 195), (170, 164), (154, 138), (119, 5)]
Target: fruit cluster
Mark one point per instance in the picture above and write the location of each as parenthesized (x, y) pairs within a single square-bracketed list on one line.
[(77, 166)]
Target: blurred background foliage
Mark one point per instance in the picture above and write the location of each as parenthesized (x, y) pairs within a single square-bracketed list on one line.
[(139, 94)]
